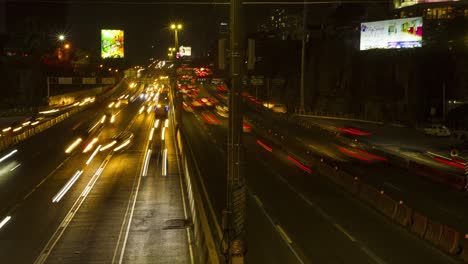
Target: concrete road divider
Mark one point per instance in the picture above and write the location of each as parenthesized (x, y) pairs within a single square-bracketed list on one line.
[(347, 181), (449, 240), (387, 205), (369, 194), (419, 224), (433, 232), (464, 253), (403, 214)]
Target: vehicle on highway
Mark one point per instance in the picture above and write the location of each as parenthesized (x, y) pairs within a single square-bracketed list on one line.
[(279, 108), (222, 110), (437, 130), (161, 111)]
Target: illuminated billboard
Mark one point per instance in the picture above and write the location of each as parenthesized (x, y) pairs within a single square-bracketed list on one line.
[(392, 34), (112, 43), (405, 3), (185, 51)]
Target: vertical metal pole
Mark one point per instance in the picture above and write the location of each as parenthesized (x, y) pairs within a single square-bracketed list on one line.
[(443, 102), (302, 92), (466, 175), (176, 37), (236, 189), (48, 86), (301, 106)]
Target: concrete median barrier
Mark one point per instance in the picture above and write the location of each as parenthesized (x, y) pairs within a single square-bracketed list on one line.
[(433, 232), (347, 181), (449, 240), (387, 205), (464, 246), (369, 194), (403, 214), (419, 224)]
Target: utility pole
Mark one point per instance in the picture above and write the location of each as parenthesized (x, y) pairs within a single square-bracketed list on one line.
[(304, 35), (234, 217)]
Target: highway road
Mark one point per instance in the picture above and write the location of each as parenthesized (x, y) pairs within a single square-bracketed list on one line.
[(435, 200), (299, 216), (409, 143), (96, 206)]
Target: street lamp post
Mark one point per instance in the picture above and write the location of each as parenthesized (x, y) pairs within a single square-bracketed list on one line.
[(176, 28)]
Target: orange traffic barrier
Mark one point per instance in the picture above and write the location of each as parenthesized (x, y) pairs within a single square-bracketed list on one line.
[(449, 240), (387, 205), (419, 224), (464, 253), (433, 232), (369, 194), (403, 214)]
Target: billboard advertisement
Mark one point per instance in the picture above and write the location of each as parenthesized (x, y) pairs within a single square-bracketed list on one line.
[(185, 51), (112, 43), (405, 3), (392, 34)]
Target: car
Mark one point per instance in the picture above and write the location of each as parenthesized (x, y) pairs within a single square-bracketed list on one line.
[(222, 110), (161, 111), (279, 108), (437, 130)]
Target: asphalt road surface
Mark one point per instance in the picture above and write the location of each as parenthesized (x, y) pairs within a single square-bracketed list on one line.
[(96, 206), (305, 217)]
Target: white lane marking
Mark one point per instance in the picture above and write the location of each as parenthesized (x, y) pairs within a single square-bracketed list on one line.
[(12, 169), (345, 232), (283, 234), (66, 221), (135, 189), (288, 242), (372, 255), (393, 186), (326, 216)]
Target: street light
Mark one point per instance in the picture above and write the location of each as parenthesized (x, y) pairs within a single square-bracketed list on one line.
[(176, 28), (61, 37), (67, 46)]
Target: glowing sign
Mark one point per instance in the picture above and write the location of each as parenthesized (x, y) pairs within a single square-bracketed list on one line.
[(392, 34), (112, 43), (185, 51)]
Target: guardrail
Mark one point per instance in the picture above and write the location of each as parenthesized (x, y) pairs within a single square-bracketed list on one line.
[(203, 226), (6, 142)]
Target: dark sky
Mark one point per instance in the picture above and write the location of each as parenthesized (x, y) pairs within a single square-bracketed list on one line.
[(145, 23), (146, 26)]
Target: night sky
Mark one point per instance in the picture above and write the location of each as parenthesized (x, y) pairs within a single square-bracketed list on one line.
[(146, 26), (146, 23)]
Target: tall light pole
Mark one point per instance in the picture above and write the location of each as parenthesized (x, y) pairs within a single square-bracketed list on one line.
[(234, 217), (176, 28)]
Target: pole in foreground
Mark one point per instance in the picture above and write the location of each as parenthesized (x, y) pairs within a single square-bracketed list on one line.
[(234, 217)]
